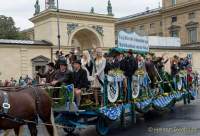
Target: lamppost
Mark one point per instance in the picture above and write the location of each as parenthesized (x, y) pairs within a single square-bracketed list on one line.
[(58, 25)]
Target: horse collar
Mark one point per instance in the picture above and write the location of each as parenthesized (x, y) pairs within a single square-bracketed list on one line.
[(5, 105)]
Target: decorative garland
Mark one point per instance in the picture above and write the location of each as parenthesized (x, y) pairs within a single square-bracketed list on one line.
[(63, 96)]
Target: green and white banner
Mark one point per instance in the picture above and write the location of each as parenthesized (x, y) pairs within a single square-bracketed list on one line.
[(133, 41)]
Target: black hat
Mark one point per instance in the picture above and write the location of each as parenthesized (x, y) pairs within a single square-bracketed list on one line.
[(71, 52), (57, 52), (116, 53), (62, 62), (77, 61), (151, 53), (51, 64), (67, 55), (130, 51), (105, 54)]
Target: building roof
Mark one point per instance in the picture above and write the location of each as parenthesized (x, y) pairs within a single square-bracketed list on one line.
[(195, 46), (27, 30), (74, 14), (25, 42), (137, 15)]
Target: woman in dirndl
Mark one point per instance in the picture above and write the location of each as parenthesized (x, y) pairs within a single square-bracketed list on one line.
[(98, 72)]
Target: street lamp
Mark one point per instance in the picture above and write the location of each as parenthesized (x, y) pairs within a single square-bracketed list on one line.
[(58, 25)]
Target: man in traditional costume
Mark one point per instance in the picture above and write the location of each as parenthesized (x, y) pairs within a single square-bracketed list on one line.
[(62, 76), (80, 80), (129, 66)]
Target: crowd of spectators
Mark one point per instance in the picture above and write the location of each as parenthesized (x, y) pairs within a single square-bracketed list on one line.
[(22, 81)]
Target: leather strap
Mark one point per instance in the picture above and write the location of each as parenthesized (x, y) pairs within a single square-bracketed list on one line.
[(5, 105)]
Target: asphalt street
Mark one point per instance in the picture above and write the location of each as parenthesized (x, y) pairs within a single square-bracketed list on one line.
[(183, 121)]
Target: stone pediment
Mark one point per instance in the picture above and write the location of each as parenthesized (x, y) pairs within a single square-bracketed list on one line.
[(174, 27), (192, 24), (40, 59)]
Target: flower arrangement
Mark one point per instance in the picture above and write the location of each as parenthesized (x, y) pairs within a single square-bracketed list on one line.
[(116, 72)]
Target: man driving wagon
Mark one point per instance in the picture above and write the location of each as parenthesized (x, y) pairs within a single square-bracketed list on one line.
[(62, 76)]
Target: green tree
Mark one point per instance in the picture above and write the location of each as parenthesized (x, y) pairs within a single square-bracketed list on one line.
[(8, 30)]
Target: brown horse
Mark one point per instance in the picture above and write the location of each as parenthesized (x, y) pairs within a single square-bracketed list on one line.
[(27, 104)]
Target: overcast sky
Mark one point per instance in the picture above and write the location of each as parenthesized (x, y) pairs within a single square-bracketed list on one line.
[(22, 10)]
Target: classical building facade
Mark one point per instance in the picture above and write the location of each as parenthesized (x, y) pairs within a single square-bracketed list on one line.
[(176, 18), (77, 29), (52, 29)]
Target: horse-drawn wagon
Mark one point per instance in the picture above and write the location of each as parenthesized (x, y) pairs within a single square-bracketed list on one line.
[(148, 88), (117, 103)]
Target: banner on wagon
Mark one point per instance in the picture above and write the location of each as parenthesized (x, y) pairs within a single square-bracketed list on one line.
[(133, 41)]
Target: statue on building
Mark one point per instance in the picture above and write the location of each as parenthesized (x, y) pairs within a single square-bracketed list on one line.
[(109, 8), (51, 4), (37, 7), (92, 10)]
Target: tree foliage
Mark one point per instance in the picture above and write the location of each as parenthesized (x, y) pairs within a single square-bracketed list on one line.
[(8, 30)]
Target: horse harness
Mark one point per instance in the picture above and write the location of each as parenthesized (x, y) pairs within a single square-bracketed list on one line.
[(5, 107), (37, 98)]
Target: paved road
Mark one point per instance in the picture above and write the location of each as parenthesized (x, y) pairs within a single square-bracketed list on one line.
[(184, 121)]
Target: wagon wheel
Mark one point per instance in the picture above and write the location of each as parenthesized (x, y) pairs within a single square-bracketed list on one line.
[(69, 130), (102, 126)]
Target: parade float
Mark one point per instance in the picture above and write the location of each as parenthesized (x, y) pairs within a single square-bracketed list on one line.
[(123, 98), (141, 97)]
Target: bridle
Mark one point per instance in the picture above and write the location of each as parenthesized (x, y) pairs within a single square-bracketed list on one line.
[(5, 106)]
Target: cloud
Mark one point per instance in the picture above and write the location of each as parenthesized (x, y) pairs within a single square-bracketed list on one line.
[(22, 10)]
